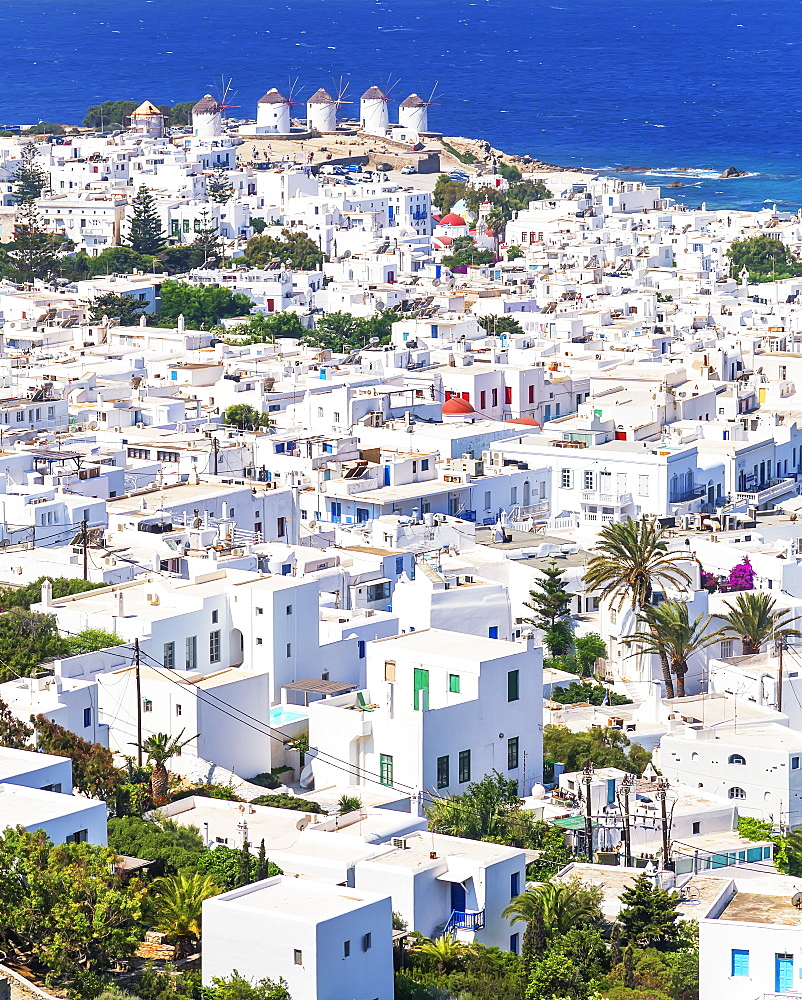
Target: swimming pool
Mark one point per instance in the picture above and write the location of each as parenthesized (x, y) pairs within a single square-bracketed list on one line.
[(280, 715)]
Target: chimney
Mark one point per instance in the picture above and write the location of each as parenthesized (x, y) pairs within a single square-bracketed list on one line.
[(143, 320), (180, 326), (120, 604), (47, 594)]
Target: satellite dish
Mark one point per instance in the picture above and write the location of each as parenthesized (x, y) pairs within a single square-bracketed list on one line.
[(796, 900), (436, 282)]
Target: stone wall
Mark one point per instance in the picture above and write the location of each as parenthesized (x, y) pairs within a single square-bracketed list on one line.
[(13, 986)]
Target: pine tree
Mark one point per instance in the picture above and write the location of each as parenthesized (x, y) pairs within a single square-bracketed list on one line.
[(32, 253), (29, 178), (649, 915), (218, 186), (261, 868), (207, 238), (145, 229), (551, 604)]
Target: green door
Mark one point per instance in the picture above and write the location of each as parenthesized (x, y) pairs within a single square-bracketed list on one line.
[(420, 685), (386, 769)]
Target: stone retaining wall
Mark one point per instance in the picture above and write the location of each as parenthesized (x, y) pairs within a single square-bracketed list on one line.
[(13, 986)]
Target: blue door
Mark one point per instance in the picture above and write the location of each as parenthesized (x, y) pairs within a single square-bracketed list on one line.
[(387, 475), (336, 511), (458, 897), (783, 973)]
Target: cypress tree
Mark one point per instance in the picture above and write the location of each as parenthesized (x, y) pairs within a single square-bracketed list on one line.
[(615, 944), (261, 867), (145, 229), (629, 967), (244, 874)]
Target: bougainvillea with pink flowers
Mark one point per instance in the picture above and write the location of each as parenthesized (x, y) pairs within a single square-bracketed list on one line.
[(742, 576)]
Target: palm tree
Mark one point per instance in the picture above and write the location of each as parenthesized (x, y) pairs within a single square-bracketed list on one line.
[(497, 220), (446, 951), (755, 621), (160, 747), (176, 904), (668, 630), (631, 559), (557, 907)]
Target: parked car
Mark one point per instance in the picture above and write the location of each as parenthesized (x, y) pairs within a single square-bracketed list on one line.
[(408, 169), (354, 168), (384, 166)]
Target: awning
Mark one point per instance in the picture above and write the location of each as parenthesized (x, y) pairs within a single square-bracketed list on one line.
[(459, 870)]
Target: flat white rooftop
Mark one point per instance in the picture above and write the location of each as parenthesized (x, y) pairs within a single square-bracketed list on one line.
[(296, 899), (14, 762)]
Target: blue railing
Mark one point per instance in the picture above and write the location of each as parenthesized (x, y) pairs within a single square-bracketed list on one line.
[(471, 920)]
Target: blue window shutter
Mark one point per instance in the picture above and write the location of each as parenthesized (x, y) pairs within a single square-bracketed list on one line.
[(740, 962)]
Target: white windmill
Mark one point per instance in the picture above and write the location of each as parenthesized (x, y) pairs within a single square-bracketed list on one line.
[(321, 109), (413, 113)]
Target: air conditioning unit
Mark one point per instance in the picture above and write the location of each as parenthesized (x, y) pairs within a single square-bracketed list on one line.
[(400, 843)]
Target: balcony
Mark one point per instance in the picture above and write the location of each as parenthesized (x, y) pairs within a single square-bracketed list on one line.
[(607, 499), (687, 495), (465, 920), (762, 493)]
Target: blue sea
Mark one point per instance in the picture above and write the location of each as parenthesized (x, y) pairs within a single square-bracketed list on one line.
[(596, 83)]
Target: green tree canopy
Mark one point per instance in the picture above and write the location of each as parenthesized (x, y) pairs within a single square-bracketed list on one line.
[(93, 770), (489, 809), (602, 747), (224, 866), (65, 907), (756, 620), (46, 128), (764, 258), (124, 308), (109, 114), (496, 325), (295, 250), (26, 640), (171, 847), (510, 173), (202, 306), (465, 253), (31, 593), (447, 193), (261, 328), (648, 916), (145, 227), (343, 332), (181, 113), (14, 733), (245, 418)]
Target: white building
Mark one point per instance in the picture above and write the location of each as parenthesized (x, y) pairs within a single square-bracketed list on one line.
[(325, 941), (441, 709), (65, 819)]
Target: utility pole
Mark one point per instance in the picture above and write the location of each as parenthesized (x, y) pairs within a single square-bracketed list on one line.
[(138, 705), (587, 777), (215, 448), (626, 787), (780, 643), (85, 542), (662, 788)]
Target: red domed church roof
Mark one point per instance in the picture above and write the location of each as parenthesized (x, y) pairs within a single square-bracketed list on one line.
[(457, 407), (452, 220)]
